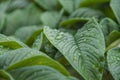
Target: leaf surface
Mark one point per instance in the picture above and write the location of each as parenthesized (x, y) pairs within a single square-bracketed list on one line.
[(113, 59), (27, 57), (38, 73), (84, 51)]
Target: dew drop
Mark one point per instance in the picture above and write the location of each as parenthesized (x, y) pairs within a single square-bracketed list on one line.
[(60, 36), (89, 29), (75, 57), (79, 54)]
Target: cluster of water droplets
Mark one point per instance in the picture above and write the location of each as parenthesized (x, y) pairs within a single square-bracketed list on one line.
[(60, 35), (115, 58)]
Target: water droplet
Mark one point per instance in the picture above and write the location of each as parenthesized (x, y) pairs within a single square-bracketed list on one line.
[(79, 54), (60, 35), (88, 29), (118, 59), (75, 57)]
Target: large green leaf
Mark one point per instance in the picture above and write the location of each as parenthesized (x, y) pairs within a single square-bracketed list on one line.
[(113, 59), (11, 42), (115, 7), (38, 73), (28, 57), (84, 51)]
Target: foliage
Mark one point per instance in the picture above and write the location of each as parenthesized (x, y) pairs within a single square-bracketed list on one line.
[(59, 40)]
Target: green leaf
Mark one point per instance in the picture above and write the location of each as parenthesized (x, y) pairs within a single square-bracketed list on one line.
[(84, 51), (2, 21), (86, 12), (38, 42), (108, 25), (47, 5), (22, 17), (53, 16), (4, 49), (33, 36), (27, 31), (11, 42), (17, 4), (3, 7), (5, 75), (27, 57), (113, 59), (38, 73), (3, 0), (116, 43), (113, 36), (69, 5), (73, 21), (92, 2), (114, 4)]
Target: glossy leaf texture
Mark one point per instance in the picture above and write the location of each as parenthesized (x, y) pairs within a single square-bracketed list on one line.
[(27, 57), (38, 73), (113, 60), (84, 51)]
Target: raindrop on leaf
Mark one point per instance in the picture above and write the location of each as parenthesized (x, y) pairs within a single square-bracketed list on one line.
[(60, 36)]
